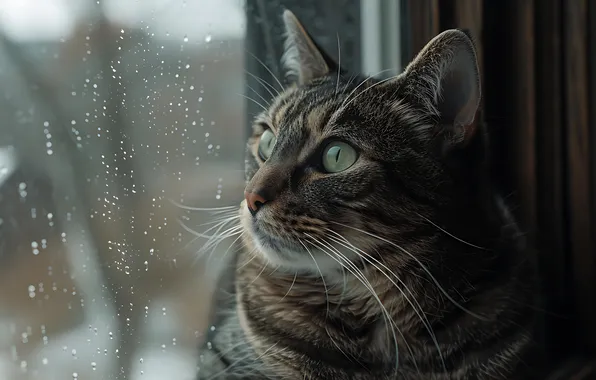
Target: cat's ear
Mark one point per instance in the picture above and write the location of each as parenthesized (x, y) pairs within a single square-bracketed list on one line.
[(444, 80), (303, 59)]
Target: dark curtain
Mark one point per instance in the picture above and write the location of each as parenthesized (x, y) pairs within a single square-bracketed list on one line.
[(538, 62)]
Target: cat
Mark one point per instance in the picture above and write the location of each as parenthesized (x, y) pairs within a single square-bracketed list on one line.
[(373, 243)]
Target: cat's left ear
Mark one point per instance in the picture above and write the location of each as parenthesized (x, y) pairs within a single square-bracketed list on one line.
[(445, 81), (303, 60)]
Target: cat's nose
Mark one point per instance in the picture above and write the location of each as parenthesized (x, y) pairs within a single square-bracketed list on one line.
[(254, 201)]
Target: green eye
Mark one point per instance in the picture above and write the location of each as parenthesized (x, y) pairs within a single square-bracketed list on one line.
[(339, 156), (266, 144)]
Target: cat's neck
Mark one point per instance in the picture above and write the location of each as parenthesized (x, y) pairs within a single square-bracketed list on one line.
[(293, 310)]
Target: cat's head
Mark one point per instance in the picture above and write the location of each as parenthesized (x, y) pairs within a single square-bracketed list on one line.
[(340, 165)]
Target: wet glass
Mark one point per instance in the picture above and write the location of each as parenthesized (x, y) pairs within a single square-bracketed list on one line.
[(117, 117)]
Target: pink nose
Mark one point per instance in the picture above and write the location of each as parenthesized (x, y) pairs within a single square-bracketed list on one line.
[(254, 201)]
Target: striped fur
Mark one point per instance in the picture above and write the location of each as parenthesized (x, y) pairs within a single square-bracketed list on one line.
[(405, 266)]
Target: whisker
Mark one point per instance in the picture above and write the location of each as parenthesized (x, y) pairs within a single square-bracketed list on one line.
[(290, 289), (218, 238), (252, 257), (254, 101), (217, 223), (258, 275), (321, 273), (363, 280), (451, 235), (345, 104), (266, 68), (259, 95), (264, 83), (199, 234), (338, 63), (424, 268), (360, 84), (227, 250), (232, 365), (265, 352), (414, 304), (357, 273), (179, 205)]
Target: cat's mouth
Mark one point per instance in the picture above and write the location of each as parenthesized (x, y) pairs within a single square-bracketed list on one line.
[(292, 253), (274, 245)]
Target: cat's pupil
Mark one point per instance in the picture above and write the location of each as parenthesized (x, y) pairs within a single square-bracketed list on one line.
[(338, 157)]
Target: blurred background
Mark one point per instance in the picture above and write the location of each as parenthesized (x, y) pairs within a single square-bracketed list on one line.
[(121, 121), (109, 111)]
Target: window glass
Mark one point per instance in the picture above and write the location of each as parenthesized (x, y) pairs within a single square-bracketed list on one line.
[(114, 114)]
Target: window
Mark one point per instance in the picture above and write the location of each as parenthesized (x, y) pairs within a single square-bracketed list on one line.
[(120, 119), (110, 111)]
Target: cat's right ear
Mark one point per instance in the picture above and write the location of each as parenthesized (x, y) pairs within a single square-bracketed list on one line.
[(303, 60), (444, 80)]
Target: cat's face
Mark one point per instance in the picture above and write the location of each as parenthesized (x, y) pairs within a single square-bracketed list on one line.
[(340, 165)]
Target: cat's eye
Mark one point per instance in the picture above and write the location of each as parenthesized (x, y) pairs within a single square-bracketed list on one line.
[(339, 156), (266, 144)]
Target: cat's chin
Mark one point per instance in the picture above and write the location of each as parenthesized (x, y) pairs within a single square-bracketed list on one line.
[(295, 259)]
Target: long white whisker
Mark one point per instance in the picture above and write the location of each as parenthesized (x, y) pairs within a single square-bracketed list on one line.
[(264, 83), (216, 221), (200, 234), (424, 268), (413, 301), (451, 235), (362, 278), (254, 101), (258, 275), (259, 95), (290, 289), (322, 277), (338, 64), (212, 243), (179, 205), (268, 70), (345, 104), (227, 250), (360, 84), (252, 257)]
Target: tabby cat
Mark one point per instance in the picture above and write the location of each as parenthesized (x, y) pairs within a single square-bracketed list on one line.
[(374, 246)]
